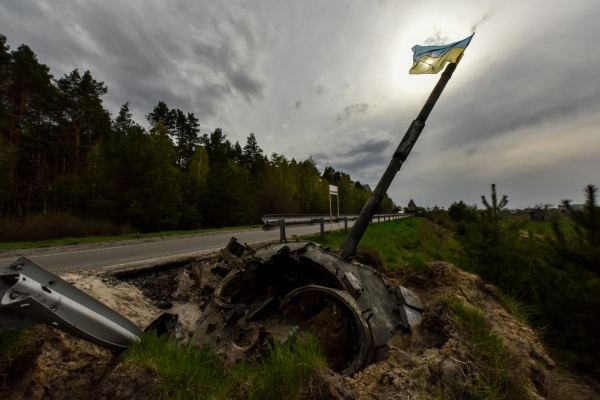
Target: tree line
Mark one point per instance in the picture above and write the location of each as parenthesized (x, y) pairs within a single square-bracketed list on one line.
[(62, 151)]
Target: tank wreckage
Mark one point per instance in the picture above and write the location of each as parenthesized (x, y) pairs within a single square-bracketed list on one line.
[(270, 292), (299, 286)]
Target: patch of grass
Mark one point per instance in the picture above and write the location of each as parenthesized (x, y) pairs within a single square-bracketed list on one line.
[(538, 228), (14, 342), (183, 373), (188, 372), (283, 373), (97, 239), (404, 242), (489, 377), (515, 307)]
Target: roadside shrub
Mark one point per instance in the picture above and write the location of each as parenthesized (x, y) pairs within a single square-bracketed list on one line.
[(461, 212), (571, 297), (558, 277), (57, 226), (501, 256)]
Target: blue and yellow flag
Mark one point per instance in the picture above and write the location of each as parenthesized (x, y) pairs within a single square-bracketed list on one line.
[(432, 59)]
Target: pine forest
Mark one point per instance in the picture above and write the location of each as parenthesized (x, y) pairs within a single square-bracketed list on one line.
[(61, 151)]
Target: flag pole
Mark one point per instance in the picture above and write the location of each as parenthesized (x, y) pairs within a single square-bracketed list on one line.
[(408, 141)]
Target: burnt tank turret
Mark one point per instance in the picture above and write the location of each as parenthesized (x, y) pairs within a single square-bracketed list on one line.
[(300, 286)]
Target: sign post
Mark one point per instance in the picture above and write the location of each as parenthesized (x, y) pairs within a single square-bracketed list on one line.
[(333, 190), (411, 207)]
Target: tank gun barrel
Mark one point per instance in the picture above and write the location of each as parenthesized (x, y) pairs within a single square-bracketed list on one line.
[(410, 138)]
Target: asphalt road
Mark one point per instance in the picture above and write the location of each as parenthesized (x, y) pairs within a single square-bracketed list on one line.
[(133, 253)]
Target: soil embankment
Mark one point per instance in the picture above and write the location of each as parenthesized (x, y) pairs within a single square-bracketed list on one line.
[(434, 357)]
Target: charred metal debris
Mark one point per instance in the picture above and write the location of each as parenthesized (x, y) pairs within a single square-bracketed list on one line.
[(300, 286)]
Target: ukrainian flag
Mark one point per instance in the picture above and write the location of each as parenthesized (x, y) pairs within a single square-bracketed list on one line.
[(432, 59)]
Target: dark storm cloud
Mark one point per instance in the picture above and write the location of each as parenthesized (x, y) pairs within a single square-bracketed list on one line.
[(354, 109), (321, 156), (507, 95), (368, 148), (354, 158), (238, 64), (468, 120), (356, 166), (142, 57), (221, 58)]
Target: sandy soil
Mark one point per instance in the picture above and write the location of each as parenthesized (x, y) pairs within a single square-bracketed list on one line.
[(435, 354)]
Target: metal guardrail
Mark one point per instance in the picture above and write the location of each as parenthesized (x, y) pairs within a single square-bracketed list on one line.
[(272, 220), (31, 295)]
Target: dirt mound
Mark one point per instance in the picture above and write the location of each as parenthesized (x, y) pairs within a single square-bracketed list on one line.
[(434, 355), (63, 367), (60, 366), (121, 297)]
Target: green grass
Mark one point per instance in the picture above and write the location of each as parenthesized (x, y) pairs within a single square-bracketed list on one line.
[(97, 239), (489, 377), (515, 307), (14, 342), (189, 372), (538, 228), (405, 242), (283, 373)]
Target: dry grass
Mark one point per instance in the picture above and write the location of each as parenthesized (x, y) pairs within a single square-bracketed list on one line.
[(557, 385), (57, 226), (490, 372)]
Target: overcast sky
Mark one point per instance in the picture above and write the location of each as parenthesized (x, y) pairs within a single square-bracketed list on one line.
[(330, 79)]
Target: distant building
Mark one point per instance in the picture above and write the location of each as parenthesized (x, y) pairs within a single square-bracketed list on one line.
[(398, 210), (537, 215)]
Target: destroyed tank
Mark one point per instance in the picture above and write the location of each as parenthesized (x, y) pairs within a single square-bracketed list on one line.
[(299, 286)]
